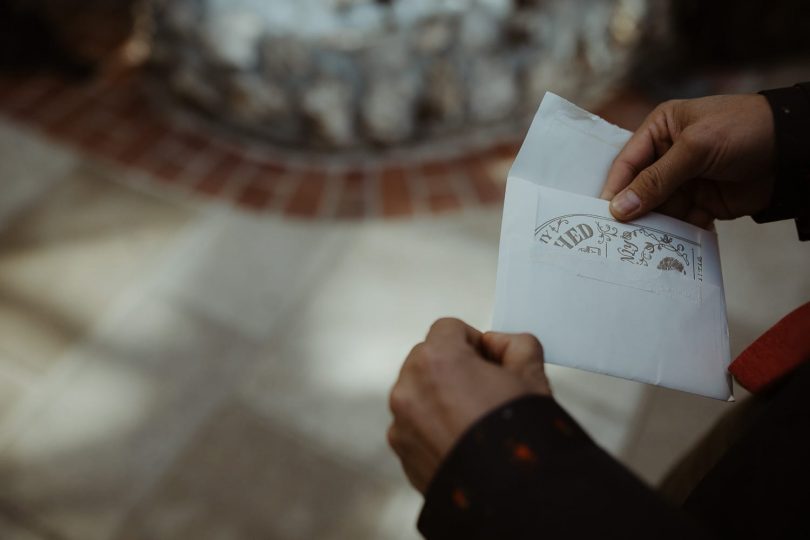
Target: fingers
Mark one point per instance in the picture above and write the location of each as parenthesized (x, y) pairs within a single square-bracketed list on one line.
[(679, 204), (638, 153), (700, 217), (448, 329), (513, 350), (445, 386), (657, 182), (519, 353)]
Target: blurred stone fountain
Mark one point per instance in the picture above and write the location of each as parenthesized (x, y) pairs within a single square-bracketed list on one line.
[(344, 75)]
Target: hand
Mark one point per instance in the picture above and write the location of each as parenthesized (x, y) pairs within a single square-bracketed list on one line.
[(697, 160), (449, 381)]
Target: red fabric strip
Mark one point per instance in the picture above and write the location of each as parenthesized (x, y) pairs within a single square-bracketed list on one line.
[(777, 352)]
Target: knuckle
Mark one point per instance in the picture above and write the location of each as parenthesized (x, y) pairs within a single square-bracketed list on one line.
[(416, 352), (696, 138), (398, 402), (444, 322), (435, 365), (429, 356), (531, 343), (392, 437), (630, 169), (651, 182), (670, 105), (424, 358), (692, 137), (660, 111)]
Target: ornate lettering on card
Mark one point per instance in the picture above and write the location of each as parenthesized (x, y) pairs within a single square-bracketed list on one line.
[(598, 236)]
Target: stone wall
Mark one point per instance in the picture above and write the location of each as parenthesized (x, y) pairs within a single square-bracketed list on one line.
[(348, 74)]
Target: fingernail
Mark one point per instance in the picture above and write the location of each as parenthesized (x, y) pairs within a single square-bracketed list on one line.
[(626, 202)]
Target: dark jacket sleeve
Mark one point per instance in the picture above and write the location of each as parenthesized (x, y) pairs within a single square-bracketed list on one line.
[(791, 196), (528, 471)]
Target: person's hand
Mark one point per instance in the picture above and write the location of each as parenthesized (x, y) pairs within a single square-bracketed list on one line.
[(449, 381), (697, 160)]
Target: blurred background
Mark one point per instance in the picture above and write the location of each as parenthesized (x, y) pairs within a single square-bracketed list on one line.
[(224, 223)]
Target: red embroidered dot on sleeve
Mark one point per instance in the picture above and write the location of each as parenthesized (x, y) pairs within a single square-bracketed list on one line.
[(563, 427), (523, 453), (460, 499)]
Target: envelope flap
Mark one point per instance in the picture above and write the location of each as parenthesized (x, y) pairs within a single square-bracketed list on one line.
[(568, 148)]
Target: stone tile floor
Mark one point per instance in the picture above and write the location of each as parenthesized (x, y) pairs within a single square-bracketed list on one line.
[(176, 369)]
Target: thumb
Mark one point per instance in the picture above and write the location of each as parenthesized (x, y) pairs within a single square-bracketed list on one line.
[(520, 353), (656, 183)]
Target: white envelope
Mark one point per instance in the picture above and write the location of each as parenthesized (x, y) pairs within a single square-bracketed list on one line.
[(641, 300)]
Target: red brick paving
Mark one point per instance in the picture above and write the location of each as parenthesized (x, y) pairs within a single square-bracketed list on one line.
[(115, 120), (219, 175), (440, 182), (27, 100), (396, 193), (255, 196), (351, 196), (488, 190), (66, 123), (145, 138), (166, 171), (444, 202), (505, 150), (306, 200), (269, 178)]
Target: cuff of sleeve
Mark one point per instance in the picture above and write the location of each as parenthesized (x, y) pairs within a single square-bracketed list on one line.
[(791, 114), (492, 462)]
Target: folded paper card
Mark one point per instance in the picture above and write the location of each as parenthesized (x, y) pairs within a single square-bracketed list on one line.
[(641, 300)]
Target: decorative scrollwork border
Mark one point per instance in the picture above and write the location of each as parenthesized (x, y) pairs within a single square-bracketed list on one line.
[(559, 219), (638, 245)]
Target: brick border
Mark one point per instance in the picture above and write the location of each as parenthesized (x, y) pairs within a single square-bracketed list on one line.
[(115, 119)]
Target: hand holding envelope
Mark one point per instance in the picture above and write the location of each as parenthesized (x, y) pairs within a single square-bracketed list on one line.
[(582, 283), (641, 300), (697, 160)]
